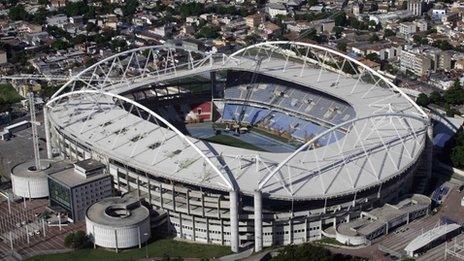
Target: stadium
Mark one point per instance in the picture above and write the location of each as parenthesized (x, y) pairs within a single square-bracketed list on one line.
[(270, 145)]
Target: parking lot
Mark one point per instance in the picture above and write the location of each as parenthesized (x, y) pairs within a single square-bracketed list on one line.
[(19, 149)]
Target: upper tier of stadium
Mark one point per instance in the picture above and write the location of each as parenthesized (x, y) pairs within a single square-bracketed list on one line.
[(384, 130)]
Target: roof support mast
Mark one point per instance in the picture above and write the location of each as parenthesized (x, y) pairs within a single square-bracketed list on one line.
[(35, 136)]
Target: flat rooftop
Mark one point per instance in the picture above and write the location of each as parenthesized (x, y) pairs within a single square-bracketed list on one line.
[(118, 211), (50, 167), (71, 178), (377, 218)]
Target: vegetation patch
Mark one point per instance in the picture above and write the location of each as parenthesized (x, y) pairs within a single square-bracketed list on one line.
[(164, 248), (310, 252), (8, 96)]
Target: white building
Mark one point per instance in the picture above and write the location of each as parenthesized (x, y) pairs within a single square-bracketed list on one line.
[(118, 222), (417, 63), (276, 9), (407, 29), (415, 7)]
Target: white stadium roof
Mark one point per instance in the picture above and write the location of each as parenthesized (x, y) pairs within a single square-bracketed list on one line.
[(386, 137)]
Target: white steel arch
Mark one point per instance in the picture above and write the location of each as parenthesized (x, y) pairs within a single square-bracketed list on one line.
[(307, 50), (369, 137), (228, 179), (136, 66)]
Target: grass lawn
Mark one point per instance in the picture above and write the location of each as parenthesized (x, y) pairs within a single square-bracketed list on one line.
[(158, 248), (276, 137), (328, 240), (231, 141)]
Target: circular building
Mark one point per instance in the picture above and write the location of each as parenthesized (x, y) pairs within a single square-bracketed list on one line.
[(270, 145), (118, 222), (28, 182)]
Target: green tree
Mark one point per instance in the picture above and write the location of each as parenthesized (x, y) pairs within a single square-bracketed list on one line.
[(76, 8), (312, 2), (341, 46), (309, 252), (43, 2), (118, 45), (337, 30), (373, 57), (340, 19), (435, 97), (8, 96), (420, 40), (443, 44), (388, 33), (455, 94), (374, 38), (40, 16), (457, 156), (78, 39), (91, 27), (60, 45), (130, 8), (356, 24), (208, 31), (456, 84), (422, 100), (77, 240), (17, 13), (192, 8)]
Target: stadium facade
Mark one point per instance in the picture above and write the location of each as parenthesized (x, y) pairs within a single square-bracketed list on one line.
[(343, 138)]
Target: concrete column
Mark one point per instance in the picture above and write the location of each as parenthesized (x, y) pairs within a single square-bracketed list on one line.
[(161, 194), (202, 204), (117, 179), (140, 237), (181, 229), (325, 205), (194, 233), (138, 186), (386, 228), (207, 230), (290, 230), (213, 83), (149, 191), (407, 218), (335, 222), (173, 198), (48, 139), (234, 236), (128, 182), (354, 200), (258, 206), (219, 207), (306, 230), (222, 232), (116, 240), (187, 195)]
